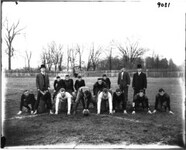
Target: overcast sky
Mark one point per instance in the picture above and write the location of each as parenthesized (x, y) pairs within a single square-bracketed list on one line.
[(162, 30)]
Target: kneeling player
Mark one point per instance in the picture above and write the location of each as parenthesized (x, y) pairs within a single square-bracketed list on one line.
[(118, 98), (104, 95), (84, 95), (140, 98), (26, 99), (162, 100), (61, 97)]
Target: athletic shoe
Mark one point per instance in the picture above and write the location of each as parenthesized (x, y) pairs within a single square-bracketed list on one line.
[(51, 112), (125, 112), (35, 112), (19, 113), (133, 112)]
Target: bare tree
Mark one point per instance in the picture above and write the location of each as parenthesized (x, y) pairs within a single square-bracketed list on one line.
[(131, 52), (11, 32), (80, 53), (94, 58), (28, 58), (53, 55)]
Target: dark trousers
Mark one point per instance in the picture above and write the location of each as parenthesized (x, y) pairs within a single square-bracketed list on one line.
[(46, 98), (25, 104), (85, 102), (125, 90)]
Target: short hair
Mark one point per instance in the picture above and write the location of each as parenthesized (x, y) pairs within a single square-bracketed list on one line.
[(118, 90), (79, 76), (57, 77), (99, 79), (67, 75), (104, 75), (161, 90), (142, 91), (25, 91), (62, 90), (105, 90)]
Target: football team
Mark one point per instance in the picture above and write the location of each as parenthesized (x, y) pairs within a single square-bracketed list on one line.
[(70, 94)]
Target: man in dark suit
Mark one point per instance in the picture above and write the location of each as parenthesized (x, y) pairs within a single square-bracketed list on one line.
[(106, 80), (58, 84), (43, 86), (79, 83), (124, 82), (139, 80)]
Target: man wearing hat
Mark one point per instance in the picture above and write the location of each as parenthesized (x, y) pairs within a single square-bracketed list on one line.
[(139, 81), (140, 98), (162, 100), (43, 86), (124, 82)]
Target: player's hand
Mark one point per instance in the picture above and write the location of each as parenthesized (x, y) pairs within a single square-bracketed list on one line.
[(133, 112), (154, 111), (170, 112), (68, 113)]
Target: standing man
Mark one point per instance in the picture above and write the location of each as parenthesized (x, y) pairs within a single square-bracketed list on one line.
[(139, 80), (124, 82), (79, 83), (69, 84), (107, 81), (43, 86)]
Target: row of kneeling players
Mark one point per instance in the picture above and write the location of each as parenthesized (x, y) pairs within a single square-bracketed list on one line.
[(85, 97)]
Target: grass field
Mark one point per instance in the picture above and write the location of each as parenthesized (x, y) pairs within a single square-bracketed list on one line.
[(141, 128)]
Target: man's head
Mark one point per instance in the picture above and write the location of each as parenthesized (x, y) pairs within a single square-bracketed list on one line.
[(104, 76), (79, 77), (141, 93), (43, 69), (105, 92), (123, 69), (118, 92), (67, 77), (62, 91), (58, 78), (26, 92), (100, 81), (161, 92), (139, 68)]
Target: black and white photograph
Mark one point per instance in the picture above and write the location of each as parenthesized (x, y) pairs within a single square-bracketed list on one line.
[(93, 74)]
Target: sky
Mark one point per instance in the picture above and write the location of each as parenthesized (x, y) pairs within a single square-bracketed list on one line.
[(161, 30)]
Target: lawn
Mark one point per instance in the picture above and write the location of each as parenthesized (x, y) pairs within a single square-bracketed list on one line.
[(141, 128)]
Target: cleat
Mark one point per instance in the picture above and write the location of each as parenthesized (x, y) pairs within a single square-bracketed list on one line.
[(19, 113)]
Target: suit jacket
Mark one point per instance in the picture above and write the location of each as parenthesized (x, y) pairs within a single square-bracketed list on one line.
[(139, 81), (40, 82), (123, 81), (69, 84)]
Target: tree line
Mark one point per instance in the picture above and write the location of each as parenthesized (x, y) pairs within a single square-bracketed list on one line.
[(52, 55)]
